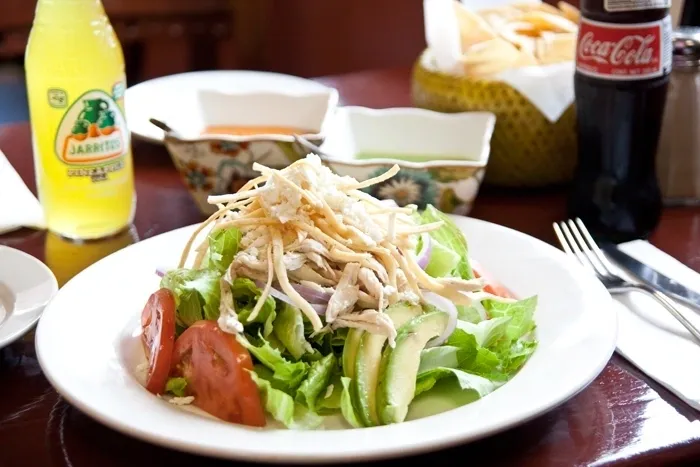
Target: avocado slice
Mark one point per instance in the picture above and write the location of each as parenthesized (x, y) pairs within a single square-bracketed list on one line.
[(368, 360), (399, 366), (352, 342)]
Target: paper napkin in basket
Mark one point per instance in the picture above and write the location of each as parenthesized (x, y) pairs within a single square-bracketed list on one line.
[(18, 206), (485, 39), (650, 338)]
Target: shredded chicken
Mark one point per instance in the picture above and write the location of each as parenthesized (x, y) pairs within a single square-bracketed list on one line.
[(370, 282), (306, 226), (317, 288), (346, 293), (307, 273), (368, 320), (365, 300), (309, 245), (293, 261), (249, 259)]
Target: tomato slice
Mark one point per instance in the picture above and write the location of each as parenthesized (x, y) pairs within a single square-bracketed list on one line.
[(490, 284), (214, 364), (158, 338)]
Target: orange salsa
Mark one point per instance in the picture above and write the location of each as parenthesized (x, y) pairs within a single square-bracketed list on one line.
[(254, 130)]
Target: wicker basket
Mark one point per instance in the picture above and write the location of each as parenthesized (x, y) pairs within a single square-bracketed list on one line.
[(526, 150)]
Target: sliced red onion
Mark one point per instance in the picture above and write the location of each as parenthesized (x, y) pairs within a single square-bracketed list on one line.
[(161, 271), (279, 295), (311, 295), (307, 293), (442, 304), (423, 257)]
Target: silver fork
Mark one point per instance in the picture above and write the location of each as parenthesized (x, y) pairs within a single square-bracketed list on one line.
[(576, 241)]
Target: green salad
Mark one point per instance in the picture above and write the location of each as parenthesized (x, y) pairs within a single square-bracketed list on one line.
[(304, 297)]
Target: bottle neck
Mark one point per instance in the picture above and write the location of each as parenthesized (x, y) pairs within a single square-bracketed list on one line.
[(68, 11)]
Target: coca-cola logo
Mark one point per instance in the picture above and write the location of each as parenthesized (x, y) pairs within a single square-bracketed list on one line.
[(621, 51), (629, 50)]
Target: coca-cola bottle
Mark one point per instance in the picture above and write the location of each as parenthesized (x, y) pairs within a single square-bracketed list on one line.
[(623, 62)]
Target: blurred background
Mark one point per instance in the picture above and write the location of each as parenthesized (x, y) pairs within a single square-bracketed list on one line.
[(301, 37)]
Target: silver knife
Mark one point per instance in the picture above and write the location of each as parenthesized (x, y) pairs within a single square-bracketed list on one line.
[(653, 278)]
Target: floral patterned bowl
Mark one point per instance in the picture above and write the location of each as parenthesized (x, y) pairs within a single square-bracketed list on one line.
[(455, 147), (218, 164)]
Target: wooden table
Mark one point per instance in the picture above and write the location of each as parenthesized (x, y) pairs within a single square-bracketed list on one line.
[(622, 418)]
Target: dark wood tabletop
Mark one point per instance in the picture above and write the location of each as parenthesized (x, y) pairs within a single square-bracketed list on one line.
[(623, 418)]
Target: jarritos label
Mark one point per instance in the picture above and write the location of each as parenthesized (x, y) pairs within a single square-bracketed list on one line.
[(92, 131), (624, 51)]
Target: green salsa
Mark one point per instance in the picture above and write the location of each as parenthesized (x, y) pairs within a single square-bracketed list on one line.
[(410, 157)]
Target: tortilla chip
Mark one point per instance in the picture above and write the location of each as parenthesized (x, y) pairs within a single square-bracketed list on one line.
[(536, 6), (555, 48), (570, 12), (473, 29), (549, 22), (524, 42), (494, 56)]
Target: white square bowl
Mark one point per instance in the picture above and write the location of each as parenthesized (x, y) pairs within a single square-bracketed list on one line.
[(450, 182)]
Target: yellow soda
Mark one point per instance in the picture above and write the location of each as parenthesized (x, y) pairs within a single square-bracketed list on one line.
[(82, 151)]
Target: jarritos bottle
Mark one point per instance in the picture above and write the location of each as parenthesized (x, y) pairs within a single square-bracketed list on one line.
[(623, 62), (82, 155)]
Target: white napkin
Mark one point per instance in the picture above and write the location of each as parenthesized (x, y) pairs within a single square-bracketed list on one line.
[(18, 206), (650, 338), (550, 88), (442, 34)]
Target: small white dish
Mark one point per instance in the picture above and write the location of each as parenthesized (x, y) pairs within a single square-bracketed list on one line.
[(216, 163), (26, 286), (576, 329), (303, 111), (458, 145), (173, 99)]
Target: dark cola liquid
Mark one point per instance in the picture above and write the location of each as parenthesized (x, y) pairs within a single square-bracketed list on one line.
[(615, 189)]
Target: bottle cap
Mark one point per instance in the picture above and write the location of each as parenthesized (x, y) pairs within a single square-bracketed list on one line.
[(686, 47)]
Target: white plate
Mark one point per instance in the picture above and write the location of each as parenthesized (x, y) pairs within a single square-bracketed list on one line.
[(97, 316), (173, 99), (26, 286)]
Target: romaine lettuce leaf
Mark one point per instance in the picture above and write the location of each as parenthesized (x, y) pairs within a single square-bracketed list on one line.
[(459, 351), (245, 296), (469, 314), (486, 332), (346, 407), (520, 313), (516, 356), (486, 350), (197, 294), (489, 365), (223, 246), (282, 407), (286, 374), (316, 381), (467, 381), (329, 403), (288, 327), (176, 386), (450, 237)]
